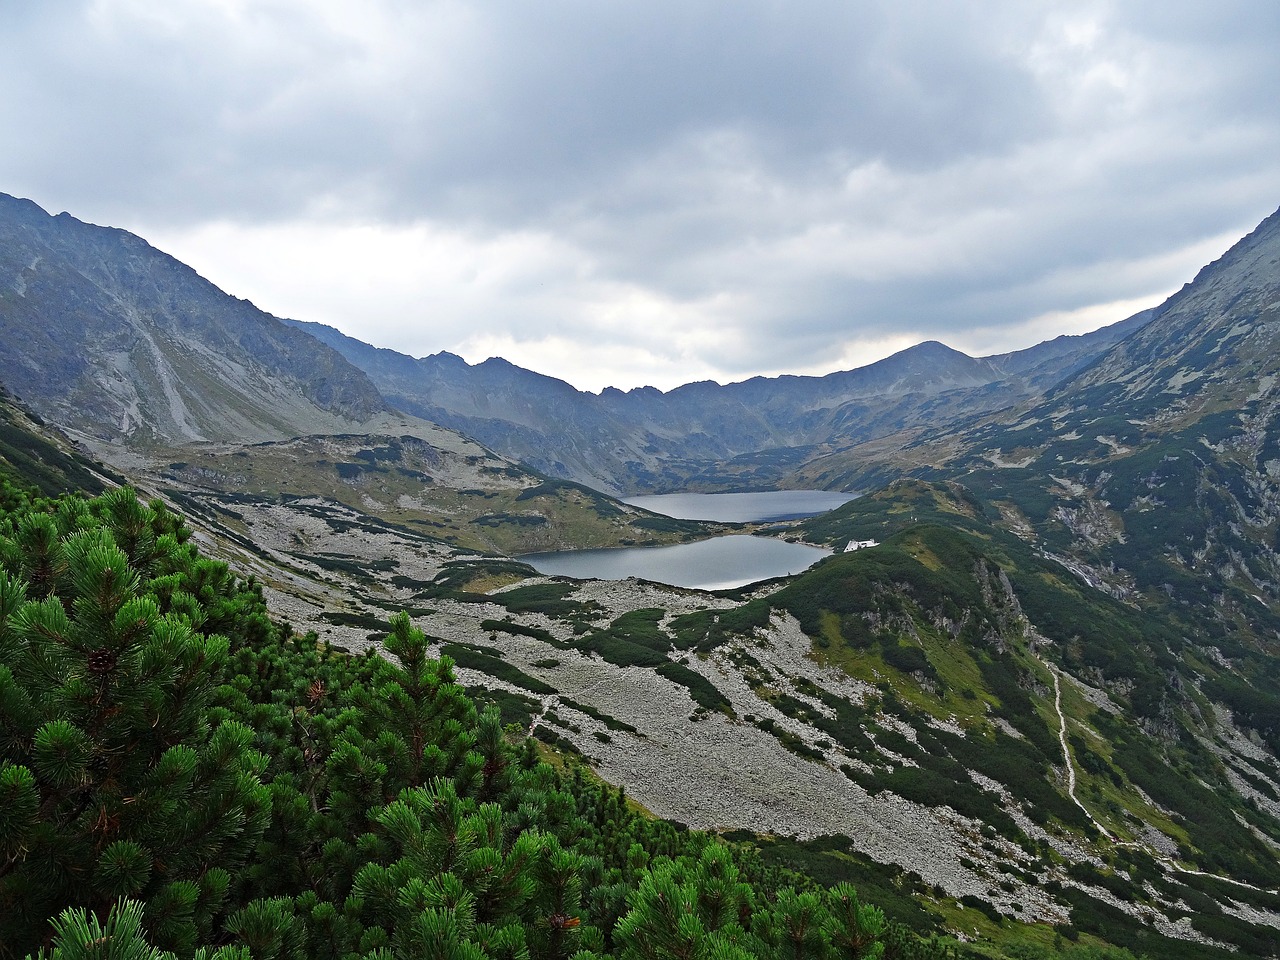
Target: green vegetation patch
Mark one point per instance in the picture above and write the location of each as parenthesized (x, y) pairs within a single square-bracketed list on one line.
[(510, 519), (513, 708), (520, 630), (457, 577), (705, 630), (788, 740), (549, 599), (1207, 816), (632, 640), (366, 621), (833, 859), (702, 690), (661, 524), (609, 721), (367, 570), (35, 462), (489, 661)]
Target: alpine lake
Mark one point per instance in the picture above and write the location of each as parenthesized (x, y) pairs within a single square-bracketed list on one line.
[(719, 563)]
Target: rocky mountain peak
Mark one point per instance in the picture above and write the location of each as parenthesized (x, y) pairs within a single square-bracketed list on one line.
[(929, 366), (121, 342)]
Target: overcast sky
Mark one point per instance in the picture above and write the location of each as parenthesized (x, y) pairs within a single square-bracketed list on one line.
[(657, 192)]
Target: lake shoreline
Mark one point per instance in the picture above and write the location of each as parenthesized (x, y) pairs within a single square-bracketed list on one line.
[(717, 562)]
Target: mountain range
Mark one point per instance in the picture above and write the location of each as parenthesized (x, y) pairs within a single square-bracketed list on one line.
[(123, 344), (706, 436), (1044, 701)]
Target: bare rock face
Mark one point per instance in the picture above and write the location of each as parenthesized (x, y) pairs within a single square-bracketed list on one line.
[(117, 341)]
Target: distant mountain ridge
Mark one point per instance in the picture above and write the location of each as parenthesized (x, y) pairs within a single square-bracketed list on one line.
[(704, 435), (117, 341), (121, 344)]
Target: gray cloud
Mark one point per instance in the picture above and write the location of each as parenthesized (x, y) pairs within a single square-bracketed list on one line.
[(780, 183)]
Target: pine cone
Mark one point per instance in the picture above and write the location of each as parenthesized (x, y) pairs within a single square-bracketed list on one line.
[(102, 661)]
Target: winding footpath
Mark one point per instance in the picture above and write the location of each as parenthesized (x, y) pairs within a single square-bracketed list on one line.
[(1071, 792), (1066, 753)]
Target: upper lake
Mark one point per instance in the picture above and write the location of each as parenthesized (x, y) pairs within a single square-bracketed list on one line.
[(715, 564), (743, 507)]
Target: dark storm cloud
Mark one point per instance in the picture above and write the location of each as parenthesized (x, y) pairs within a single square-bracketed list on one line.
[(633, 175)]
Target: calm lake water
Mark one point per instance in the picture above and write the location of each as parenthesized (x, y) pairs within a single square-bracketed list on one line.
[(743, 507), (715, 564)]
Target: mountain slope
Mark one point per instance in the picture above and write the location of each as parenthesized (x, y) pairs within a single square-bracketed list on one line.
[(1150, 482), (35, 456), (116, 341), (438, 485), (1212, 345), (159, 372), (1157, 466)]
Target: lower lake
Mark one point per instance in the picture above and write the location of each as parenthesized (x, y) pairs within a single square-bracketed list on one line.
[(716, 564)]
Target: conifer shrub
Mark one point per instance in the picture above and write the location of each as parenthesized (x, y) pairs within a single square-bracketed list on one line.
[(706, 630), (632, 640), (520, 630), (33, 464), (514, 709), (550, 599), (609, 721), (115, 781), (702, 690), (907, 659), (982, 906), (489, 661)]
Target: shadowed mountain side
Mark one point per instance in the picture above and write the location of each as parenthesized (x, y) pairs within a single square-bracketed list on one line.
[(35, 455)]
